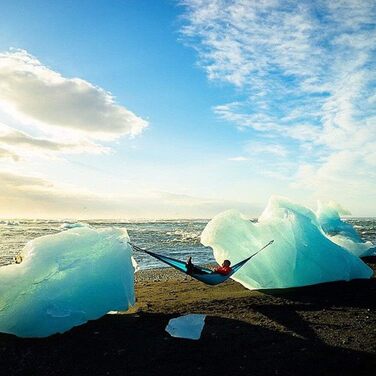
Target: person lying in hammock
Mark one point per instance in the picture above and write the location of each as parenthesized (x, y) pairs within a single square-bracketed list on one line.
[(223, 270)]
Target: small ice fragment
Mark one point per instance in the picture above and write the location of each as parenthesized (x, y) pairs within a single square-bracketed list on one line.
[(10, 223), (187, 326), (68, 225)]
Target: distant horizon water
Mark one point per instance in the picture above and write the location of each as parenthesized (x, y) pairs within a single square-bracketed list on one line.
[(143, 219)]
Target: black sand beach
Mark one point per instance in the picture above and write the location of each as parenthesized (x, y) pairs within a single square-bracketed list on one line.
[(328, 329)]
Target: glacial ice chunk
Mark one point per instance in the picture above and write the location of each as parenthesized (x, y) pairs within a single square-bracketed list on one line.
[(300, 255), (341, 232), (187, 326), (65, 280), (68, 225)]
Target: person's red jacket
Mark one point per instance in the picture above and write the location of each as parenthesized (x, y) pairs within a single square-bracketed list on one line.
[(224, 270)]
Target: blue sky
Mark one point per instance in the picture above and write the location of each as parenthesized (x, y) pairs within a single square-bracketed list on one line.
[(183, 109)]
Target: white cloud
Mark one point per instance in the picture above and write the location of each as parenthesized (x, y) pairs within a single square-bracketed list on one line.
[(238, 159), (44, 97), (306, 74), (257, 148), (40, 197), (22, 143), (240, 40), (239, 114), (44, 199), (7, 154)]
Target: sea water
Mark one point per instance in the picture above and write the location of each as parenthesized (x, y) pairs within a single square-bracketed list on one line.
[(175, 238)]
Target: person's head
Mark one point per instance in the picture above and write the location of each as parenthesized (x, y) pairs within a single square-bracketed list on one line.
[(226, 263)]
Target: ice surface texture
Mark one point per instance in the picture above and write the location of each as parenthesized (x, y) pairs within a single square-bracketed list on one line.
[(301, 253), (66, 279), (187, 326), (342, 233)]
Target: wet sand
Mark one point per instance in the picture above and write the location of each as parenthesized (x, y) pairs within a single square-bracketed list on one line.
[(329, 329)]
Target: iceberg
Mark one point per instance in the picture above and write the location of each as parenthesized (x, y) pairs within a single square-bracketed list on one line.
[(341, 232), (66, 279), (301, 254)]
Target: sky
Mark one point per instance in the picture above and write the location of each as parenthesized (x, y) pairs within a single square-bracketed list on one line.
[(183, 109)]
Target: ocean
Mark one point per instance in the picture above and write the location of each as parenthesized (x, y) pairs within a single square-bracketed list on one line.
[(175, 238)]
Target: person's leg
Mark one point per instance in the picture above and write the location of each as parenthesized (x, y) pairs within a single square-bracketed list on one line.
[(192, 269), (189, 265)]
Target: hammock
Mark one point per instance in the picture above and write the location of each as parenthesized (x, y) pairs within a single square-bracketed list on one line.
[(205, 275)]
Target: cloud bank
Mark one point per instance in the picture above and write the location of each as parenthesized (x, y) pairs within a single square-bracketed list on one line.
[(18, 143), (305, 72), (49, 114), (35, 92), (44, 199), (44, 114)]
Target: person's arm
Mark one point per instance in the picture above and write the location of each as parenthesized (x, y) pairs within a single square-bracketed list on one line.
[(218, 269)]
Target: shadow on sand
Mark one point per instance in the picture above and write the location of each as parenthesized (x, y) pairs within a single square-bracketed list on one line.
[(137, 344)]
